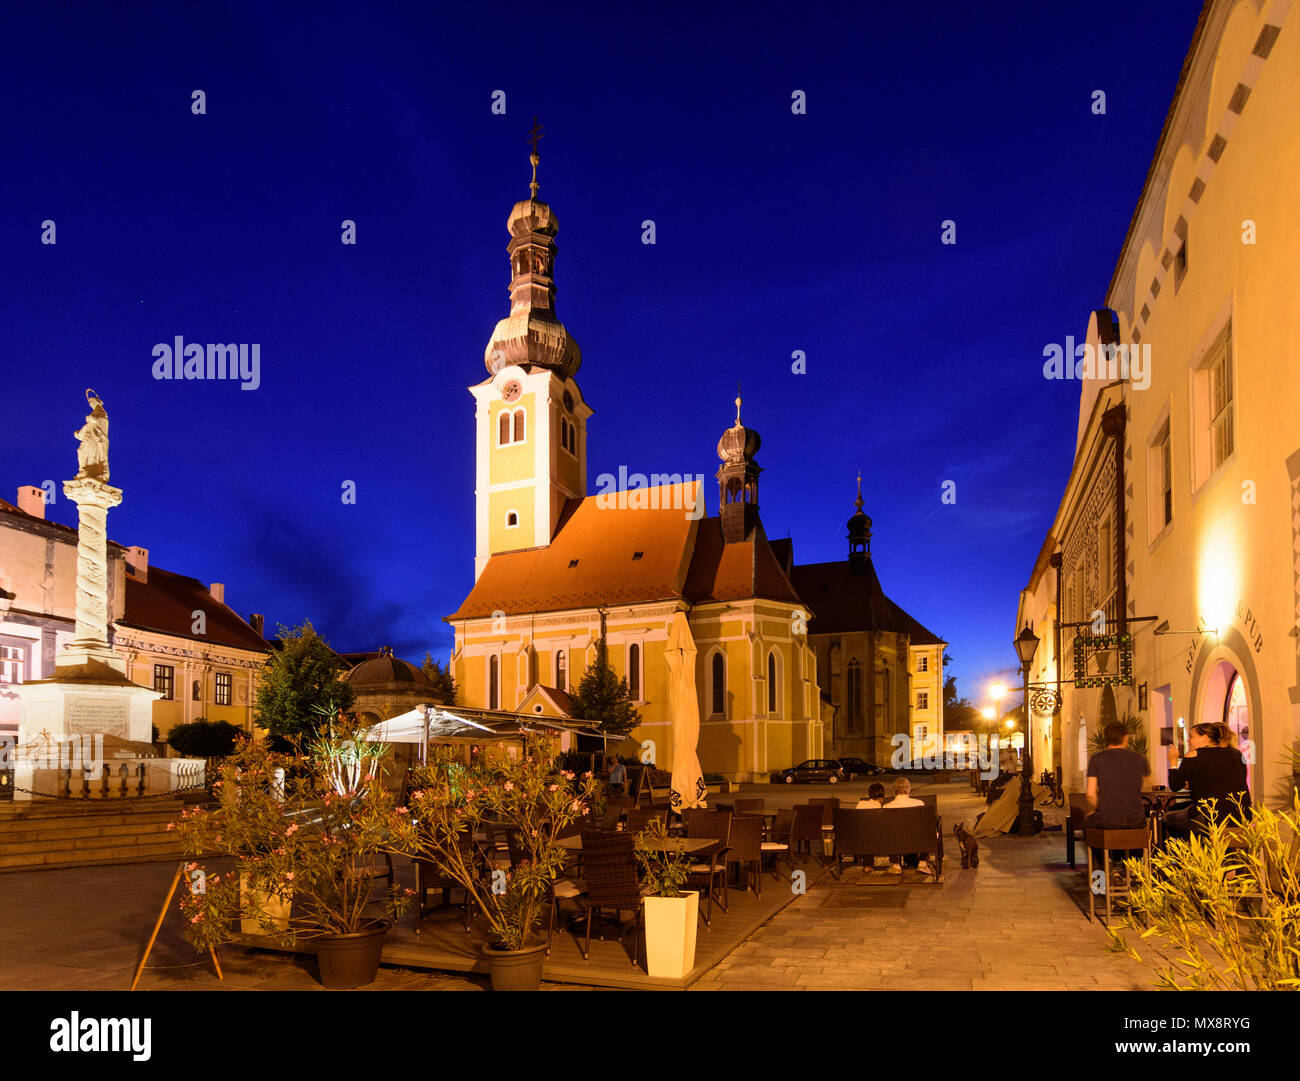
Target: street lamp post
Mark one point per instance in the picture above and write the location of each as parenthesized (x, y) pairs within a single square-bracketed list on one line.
[(1026, 646)]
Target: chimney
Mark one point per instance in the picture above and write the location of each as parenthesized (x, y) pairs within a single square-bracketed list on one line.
[(32, 501), (137, 563), (218, 591), (257, 621)]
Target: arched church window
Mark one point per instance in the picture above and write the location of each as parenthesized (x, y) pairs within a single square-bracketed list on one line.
[(733, 490), (503, 432), (564, 433), (519, 425), (494, 682), (854, 696), (773, 691), (719, 683), (561, 670), (634, 671), (512, 520)]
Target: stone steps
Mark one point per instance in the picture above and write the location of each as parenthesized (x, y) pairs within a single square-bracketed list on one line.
[(65, 835)]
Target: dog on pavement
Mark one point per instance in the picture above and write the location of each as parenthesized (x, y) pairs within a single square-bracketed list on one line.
[(970, 848)]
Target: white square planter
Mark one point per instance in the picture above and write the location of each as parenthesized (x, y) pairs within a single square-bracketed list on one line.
[(670, 926)]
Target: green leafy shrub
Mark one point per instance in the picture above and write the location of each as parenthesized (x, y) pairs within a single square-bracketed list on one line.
[(205, 739), (1221, 911)]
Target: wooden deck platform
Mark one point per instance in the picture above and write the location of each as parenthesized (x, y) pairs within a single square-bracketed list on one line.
[(443, 943)]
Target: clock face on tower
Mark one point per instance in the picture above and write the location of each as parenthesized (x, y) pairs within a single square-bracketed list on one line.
[(511, 391)]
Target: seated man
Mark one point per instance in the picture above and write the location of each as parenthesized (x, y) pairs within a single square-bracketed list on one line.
[(903, 798), (1115, 779), (874, 798)]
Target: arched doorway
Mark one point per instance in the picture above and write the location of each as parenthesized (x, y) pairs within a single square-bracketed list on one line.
[(1226, 702)]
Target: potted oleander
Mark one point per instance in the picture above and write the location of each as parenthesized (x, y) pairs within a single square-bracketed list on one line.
[(310, 828), (521, 789), (671, 913)]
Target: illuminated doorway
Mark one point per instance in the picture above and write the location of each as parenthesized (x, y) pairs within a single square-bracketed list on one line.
[(1236, 715), (1226, 702)]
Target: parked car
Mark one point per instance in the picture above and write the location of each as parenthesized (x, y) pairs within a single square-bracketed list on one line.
[(815, 769), (857, 767)]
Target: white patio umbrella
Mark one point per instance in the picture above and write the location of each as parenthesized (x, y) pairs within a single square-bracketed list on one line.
[(688, 780), (416, 725)]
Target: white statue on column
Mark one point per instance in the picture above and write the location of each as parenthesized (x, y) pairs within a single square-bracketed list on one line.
[(92, 451), (94, 497)]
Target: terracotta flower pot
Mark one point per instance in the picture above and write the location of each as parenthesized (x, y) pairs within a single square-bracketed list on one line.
[(515, 970), (351, 960)]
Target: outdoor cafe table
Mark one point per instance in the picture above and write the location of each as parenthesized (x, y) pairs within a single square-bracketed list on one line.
[(690, 845)]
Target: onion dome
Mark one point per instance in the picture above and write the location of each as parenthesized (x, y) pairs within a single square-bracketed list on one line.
[(738, 443), (532, 334)]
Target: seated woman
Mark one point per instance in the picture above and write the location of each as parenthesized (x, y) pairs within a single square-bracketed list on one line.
[(875, 798), (1215, 774)]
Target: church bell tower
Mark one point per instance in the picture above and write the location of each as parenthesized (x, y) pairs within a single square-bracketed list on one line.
[(738, 480), (530, 418)]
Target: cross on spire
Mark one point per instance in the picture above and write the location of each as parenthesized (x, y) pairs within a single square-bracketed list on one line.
[(534, 137), (737, 402)]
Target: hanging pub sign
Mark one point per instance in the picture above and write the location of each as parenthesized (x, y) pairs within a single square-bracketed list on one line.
[(1092, 656)]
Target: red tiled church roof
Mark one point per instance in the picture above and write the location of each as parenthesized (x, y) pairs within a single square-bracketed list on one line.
[(593, 560)]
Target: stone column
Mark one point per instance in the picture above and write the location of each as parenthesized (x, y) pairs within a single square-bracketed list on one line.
[(94, 498)]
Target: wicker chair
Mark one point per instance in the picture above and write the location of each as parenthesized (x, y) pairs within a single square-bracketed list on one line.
[(751, 806), (745, 848), (712, 868), (806, 829), (829, 806), (778, 841), (428, 877), (638, 818), (609, 863), (614, 811), (1075, 831)]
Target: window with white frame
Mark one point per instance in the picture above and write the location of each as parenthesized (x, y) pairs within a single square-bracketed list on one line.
[(494, 682), (1160, 482), (1213, 419), (222, 684), (512, 519), (512, 427), (561, 670), (922, 699), (923, 663), (13, 663)]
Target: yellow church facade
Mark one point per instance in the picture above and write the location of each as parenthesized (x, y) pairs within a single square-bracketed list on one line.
[(554, 565)]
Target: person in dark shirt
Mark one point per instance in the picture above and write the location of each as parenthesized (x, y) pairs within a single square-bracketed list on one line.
[(1115, 779), (1215, 774)]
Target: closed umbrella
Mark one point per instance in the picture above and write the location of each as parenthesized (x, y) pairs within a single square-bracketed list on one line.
[(688, 788)]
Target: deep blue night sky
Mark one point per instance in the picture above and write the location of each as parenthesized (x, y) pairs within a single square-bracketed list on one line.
[(775, 232)]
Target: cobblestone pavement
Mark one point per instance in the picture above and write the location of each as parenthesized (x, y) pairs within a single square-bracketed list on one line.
[(1017, 922)]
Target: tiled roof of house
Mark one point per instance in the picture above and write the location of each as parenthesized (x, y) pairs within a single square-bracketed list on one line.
[(167, 602), (844, 600)]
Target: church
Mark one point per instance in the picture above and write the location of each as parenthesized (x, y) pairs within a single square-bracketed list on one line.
[(554, 566)]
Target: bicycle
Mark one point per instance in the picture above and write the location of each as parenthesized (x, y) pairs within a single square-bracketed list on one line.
[(1055, 793)]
